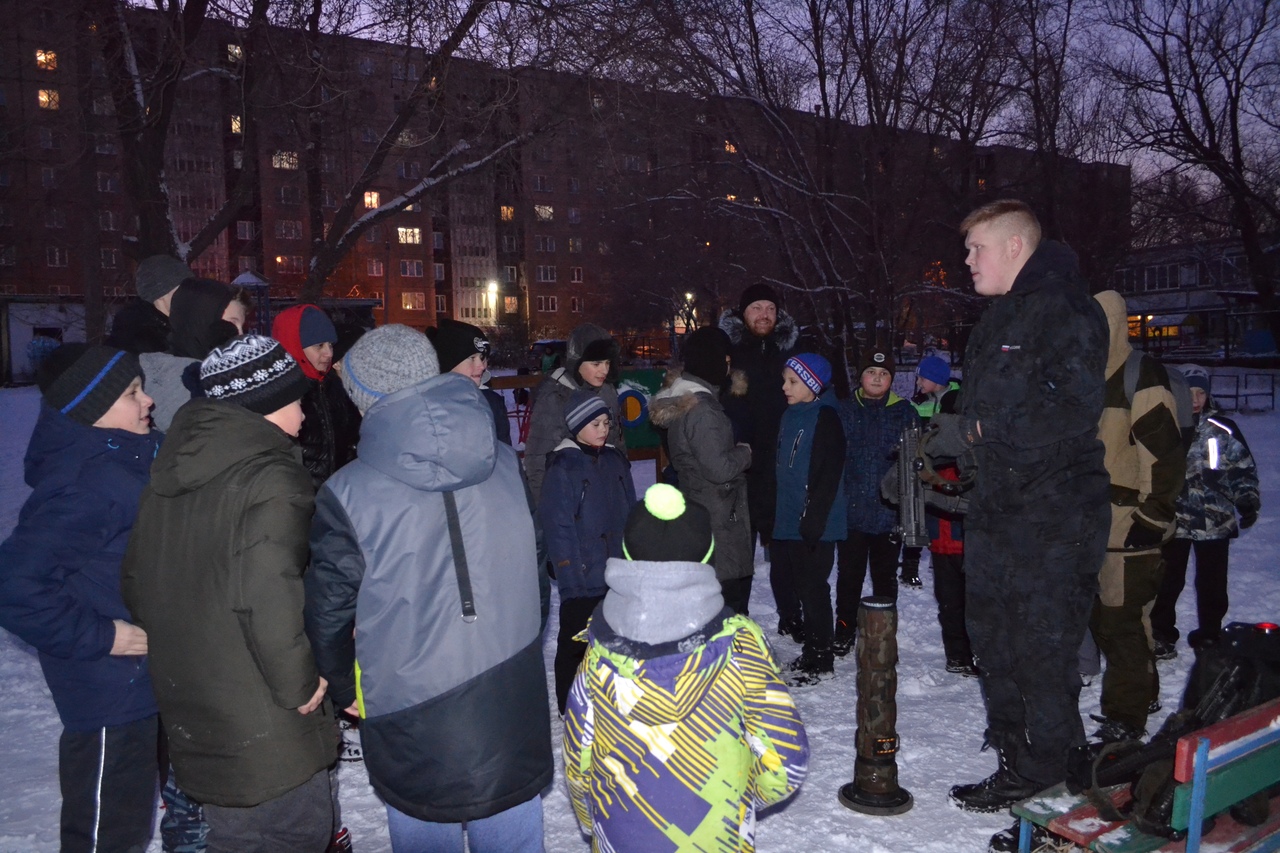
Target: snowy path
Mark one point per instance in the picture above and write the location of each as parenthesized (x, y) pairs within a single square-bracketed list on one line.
[(940, 715)]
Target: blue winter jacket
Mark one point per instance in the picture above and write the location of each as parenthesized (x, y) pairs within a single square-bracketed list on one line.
[(60, 569), (811, 451), (586, 497), (871, 431)]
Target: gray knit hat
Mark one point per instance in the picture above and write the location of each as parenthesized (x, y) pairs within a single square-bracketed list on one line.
[(159, 274), (386, 360)]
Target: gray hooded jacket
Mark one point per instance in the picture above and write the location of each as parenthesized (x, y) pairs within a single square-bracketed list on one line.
[(456, 722)]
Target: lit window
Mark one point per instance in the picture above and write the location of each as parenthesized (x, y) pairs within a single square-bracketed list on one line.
[(289, 264), (411, 269), (284, 160), (510, 304), (409, 235), (235, 52), (730, 148), (47, 60), (730, 197), (413, 300), (575, 245), (237, 124), (372, 199), (507, 212), (544, 212), (373, 266), (47, 98)]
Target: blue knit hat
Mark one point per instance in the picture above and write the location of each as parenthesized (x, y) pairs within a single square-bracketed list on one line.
[(813, 370), (584, 406), (315, 327), (934, 369)]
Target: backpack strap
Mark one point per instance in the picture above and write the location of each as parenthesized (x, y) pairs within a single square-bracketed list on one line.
[(1132, 365), (459, 558)]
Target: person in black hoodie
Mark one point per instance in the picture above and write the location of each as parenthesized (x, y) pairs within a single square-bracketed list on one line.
[(196, 327), (142, 325), (88, 461), (1039, 512)]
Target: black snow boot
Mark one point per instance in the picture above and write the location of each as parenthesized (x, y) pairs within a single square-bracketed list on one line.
[(996, 792), (1006, 840)]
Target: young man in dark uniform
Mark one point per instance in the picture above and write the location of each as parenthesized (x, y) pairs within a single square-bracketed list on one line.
[(1039, 514)]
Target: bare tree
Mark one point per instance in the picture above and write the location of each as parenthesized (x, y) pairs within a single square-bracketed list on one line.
[(1201, 82)]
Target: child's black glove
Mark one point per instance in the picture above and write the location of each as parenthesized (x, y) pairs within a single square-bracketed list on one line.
[(1143, 536), (949, 436), (1248, 509)]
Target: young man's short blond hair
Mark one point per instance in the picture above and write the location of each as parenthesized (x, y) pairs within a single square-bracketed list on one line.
[(1014, 215)]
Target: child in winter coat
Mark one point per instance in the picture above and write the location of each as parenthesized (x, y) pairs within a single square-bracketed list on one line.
[(213, 573), (426, 546), (1221, 483), (811, 515), (678, 725), (332, 424), (586, 496), (591, 362), (464, 349), (88, 461), (711, 465)]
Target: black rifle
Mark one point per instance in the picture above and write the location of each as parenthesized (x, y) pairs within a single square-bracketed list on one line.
[(910, 529)]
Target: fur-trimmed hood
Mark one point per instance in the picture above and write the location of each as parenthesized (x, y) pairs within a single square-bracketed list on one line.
[(785, 334), (679, 395)]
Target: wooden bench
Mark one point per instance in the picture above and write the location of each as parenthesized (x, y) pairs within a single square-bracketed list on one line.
[(1217, 767)]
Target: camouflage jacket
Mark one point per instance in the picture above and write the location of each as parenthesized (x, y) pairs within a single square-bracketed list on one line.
[(1221, 478)]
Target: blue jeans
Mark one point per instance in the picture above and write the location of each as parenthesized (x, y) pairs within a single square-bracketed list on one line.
[(517, 830)]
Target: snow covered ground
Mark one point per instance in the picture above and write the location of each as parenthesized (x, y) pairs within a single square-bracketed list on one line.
[(940, 716)]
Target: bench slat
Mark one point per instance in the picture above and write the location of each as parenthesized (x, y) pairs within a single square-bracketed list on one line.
[(1227, 836), (1231, 729), (1230, 784), (1071, 816)]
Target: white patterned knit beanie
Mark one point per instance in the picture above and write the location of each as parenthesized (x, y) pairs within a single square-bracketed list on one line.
[(255, 372)]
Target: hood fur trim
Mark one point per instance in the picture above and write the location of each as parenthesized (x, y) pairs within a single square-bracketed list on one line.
[(785, 333)]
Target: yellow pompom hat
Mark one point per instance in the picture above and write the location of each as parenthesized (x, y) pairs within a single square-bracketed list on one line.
[(664, 528)]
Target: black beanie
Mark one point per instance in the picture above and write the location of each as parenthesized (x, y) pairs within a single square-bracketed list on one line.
[(84, 382), (195, 317), (704, 353), (255, 372), (455, 342), (666, 528), (603, 349), (756, 293)]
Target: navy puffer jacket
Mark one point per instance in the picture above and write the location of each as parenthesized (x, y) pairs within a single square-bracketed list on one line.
[(871, 431), (586, 497), (60, 569)]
